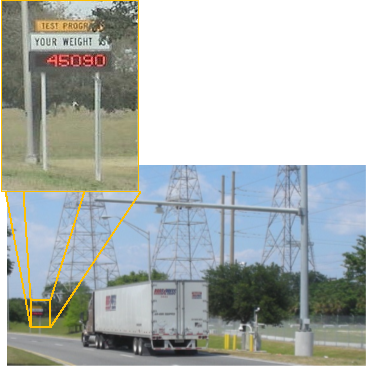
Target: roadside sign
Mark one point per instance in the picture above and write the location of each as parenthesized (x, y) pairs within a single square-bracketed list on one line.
[(54, 25), (68, 42), (37, 310)]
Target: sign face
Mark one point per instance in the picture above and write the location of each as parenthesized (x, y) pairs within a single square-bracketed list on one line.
[(68, 42), (46, 61), (54, 25), (37, 310)]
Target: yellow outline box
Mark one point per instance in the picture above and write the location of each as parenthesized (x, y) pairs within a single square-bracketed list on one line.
[(30, 315)]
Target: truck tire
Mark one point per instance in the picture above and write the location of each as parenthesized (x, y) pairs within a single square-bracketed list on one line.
[(101, 342), (85, 341), (140, 346), (135, 346), (96, 342)]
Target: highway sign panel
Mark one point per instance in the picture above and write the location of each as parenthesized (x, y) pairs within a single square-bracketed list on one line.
[(37, 310), (55, 25), (68, 42)]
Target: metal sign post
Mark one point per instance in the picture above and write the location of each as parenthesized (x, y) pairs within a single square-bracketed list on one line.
[(43, 120), (97, 125)]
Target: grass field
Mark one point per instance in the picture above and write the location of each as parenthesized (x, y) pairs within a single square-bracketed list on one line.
[(70, 142), (284, 352), (18, 357)]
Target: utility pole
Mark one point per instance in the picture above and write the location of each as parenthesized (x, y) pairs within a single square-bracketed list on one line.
[(31, 155), (304, 337), (231, 249), (222, 224)]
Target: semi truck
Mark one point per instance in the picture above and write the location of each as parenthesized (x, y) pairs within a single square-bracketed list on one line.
[(149, 316)]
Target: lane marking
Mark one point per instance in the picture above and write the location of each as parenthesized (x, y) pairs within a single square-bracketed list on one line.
[(254, 359), (122, 354), (58, 344)]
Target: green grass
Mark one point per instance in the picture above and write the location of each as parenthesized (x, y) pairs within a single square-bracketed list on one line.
[(346, 334), (284, 352), (58, 329), (71, 153), (18, 357)]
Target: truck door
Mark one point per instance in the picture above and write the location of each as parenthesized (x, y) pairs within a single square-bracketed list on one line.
[(165, 312), (195, 308)]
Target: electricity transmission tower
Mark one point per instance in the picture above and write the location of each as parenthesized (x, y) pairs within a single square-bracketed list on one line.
[(90, 234), (183, 248), (281, 226)]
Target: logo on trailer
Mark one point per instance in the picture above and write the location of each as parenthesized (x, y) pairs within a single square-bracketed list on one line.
[(165, 291), (111, 302), (197, 295)]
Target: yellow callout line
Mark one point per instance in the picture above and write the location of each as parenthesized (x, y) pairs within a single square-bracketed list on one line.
[(26, 249), (77, 286), (67, 246), (16, 252)]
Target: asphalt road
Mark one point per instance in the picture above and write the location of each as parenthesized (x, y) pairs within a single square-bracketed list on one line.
[(70, 351)]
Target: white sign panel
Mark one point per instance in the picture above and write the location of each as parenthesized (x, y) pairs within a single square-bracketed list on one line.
[(68, 42)]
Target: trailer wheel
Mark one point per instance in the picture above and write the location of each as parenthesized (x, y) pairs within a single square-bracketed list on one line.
[(140, 347), (96, 342), (135, 346)]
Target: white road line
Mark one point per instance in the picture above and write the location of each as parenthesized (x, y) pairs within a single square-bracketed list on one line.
[(122, 354), (34, 341), (254, 359), (58, 344), (12, 338)]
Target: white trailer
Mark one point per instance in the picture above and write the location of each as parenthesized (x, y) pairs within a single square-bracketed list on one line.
[(156, 315)]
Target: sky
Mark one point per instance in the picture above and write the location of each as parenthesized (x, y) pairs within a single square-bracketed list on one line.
[(337, 216)]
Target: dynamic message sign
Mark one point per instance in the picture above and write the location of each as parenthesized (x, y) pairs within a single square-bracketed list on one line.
[(47, 61), (37, 310), (68, 42)]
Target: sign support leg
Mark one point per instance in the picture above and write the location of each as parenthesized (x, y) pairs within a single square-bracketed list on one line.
[(97, 126), (44, 129)]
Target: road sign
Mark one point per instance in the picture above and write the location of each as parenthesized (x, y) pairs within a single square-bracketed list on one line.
[(47, 61), (68, 42), (54, 25), (37, 310)]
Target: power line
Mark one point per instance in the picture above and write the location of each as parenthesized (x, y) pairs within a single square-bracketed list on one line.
[(345, 176), (331, 208)]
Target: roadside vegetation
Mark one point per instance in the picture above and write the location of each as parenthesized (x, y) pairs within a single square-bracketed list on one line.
[(16, 356)]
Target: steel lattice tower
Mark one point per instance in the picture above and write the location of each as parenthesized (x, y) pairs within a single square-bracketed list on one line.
[(90, 234), (183, 247), (281, 227)]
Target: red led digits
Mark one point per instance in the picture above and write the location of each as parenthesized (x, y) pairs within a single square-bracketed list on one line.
[(77, 60)]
